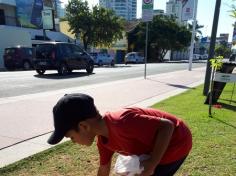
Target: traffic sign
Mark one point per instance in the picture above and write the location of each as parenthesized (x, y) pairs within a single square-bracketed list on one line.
[(147, 10)]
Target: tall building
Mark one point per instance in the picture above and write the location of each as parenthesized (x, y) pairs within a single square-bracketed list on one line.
[(124, 8), (158, 12), (174, 8)]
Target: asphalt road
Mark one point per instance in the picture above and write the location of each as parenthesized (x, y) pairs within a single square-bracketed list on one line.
[(17, 83)]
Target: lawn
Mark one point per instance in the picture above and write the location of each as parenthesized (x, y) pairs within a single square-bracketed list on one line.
[(213, 153)]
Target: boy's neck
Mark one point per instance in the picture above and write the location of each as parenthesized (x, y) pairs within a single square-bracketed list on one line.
[(99, 127)]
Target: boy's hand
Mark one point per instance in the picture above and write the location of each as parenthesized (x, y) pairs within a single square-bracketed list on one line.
[(149, 167), (162, 140)]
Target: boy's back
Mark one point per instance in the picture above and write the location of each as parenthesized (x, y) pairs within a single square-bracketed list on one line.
[(132, 131)]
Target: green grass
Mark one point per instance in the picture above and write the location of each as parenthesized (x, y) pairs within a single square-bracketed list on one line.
[(213, 153)]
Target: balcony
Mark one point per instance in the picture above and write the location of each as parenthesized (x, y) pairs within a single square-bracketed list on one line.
[(8, 2)]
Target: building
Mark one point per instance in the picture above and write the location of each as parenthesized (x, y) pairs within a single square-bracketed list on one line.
[(124, 8), (223, 38), (174, 8), (24, 17), (158, 12), (26, 13)]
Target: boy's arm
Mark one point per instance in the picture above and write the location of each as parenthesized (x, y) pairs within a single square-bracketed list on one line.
[(104, 170), (162, 140)]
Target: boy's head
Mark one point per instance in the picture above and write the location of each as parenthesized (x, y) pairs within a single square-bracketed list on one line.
[(69, 111)]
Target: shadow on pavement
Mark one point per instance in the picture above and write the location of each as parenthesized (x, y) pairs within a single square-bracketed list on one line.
[(116, 66), (68, 76), (173, 85), (180, 86), (184, 61)]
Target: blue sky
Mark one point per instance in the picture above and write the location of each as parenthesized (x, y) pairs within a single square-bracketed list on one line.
[(205, 14)]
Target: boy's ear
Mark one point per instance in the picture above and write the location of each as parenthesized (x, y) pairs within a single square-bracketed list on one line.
[(83, 125)]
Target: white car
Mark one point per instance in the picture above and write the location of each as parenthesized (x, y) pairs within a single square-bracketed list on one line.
[(102, 59), (134, 57), (200, 56), (196, 56)]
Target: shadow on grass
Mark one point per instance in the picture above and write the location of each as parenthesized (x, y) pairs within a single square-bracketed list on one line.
[(232, 101), (228, 106), (226, 123)]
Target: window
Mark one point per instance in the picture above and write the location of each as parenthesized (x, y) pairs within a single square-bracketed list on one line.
[(65, 49), (10, 50), (44, 50), (27, 51), (40, 37), (76, 49), (2, 17)]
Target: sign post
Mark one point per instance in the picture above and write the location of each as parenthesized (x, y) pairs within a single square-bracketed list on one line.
[(147, 15), (47, 18)]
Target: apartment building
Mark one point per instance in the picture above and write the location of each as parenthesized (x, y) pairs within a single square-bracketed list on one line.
[(124, 8), (174, 8)]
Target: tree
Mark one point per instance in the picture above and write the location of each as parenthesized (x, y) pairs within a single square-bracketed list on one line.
[(222, 50), (80, 20), (96, 27), (107, 27), (233, 10), (197, 29), (164, 34)]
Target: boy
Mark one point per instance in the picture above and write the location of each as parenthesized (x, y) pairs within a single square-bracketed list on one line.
[(130, 131)]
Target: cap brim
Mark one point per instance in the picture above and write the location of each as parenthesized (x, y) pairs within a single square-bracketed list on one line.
[(55, 137)]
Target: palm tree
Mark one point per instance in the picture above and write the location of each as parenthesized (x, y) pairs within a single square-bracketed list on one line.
[(197, 29), (233, 11)]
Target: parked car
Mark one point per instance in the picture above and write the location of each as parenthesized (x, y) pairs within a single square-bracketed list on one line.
[(196, 56), (134, 57), (200, 56), (204, 56), (63, 57), (20, 57), (102, 59)]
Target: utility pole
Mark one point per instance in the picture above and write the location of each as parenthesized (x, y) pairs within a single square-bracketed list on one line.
[(212, 47), (193, 35), (146, 51)]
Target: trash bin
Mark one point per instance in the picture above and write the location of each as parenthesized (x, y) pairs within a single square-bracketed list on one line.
[(218, 87)]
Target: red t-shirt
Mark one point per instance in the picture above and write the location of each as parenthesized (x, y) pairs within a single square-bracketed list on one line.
[(132, 131)]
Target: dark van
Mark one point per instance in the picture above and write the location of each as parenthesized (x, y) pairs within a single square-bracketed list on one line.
[(63, 57), (19, 57)]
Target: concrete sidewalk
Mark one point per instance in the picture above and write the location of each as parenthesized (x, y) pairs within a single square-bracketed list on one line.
[(28, 118)]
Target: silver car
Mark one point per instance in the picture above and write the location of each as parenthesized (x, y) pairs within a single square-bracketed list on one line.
[(102, 59), (134, 57)]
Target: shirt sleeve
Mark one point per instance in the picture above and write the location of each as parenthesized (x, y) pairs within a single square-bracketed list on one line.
[(104, 153)]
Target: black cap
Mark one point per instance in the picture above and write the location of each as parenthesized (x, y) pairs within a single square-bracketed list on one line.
[(68, 112)]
